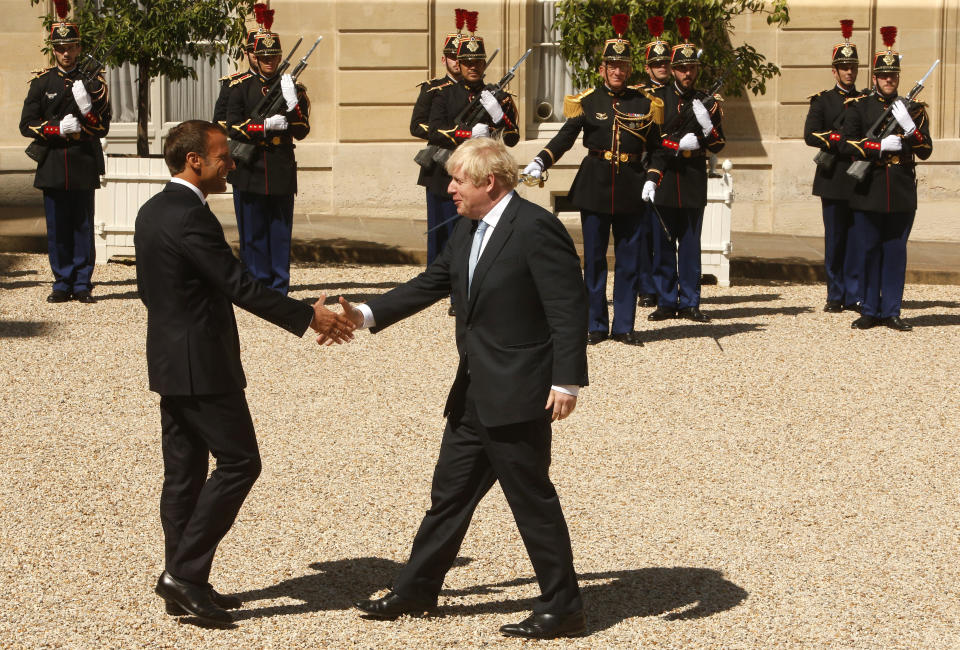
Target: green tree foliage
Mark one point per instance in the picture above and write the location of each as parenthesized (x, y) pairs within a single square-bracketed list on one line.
[(584, 25), (155, 35)]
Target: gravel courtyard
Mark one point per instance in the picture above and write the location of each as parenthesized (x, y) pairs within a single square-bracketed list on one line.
[(770, 479)]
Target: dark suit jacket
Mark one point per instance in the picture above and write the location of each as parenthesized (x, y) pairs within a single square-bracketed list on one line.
[(524, 327), (188, 277)]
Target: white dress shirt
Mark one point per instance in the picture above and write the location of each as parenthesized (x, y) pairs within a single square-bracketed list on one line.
[(492, 218)]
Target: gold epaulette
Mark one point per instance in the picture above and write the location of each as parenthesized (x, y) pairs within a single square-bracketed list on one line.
[(816, 94), (441, 86), (571, 103), (853, 99), (39, 72), (231, 77), (656, 107), (241, 78)]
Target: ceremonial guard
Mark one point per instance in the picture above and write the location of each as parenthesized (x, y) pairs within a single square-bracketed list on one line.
[(226, 83), (884, 203), (500, 119), (66, 114), (677, 182), (657, 67), (615, 121), (440, 209), (266, 185), (830, 182)]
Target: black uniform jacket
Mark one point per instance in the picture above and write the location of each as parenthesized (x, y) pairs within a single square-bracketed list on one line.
[(223, 99), (822, 129), (444, 133), (523, 327), (681, 176), (891, 183), (188, 277), (420, 120), (615, 127), (75, 161), (274, 167)]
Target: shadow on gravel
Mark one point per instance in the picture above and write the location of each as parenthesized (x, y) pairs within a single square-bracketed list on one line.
[(20, 284), (610, 597), (125, 295), (934, 320), (327, 287), (107, 283), (927, 304), (731, 300), (22, 329), (677, 332), (751, 312), (18, 274)]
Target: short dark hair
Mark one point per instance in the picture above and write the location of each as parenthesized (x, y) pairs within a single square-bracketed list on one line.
[(186, 137)]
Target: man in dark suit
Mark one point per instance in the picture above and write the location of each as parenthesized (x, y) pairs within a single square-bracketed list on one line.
[(521, 316), (188, 277)]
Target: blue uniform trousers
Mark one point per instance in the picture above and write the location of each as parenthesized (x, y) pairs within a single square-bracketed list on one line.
[(676, 268), (882, 236), (439, 209), (70, 238), (596, 235), (648, 222), (841, 256), (265, 225)]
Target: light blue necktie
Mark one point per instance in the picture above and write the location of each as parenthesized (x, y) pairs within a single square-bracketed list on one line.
[(475, 252)]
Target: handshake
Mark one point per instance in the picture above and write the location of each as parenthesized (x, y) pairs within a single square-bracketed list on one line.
[(333, 327)]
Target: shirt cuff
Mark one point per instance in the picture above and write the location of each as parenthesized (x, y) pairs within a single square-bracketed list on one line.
[(368, 319), (569, 389)]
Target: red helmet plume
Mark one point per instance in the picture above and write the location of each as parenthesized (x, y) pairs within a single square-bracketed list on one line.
[(655, 25), (258, 10), (683, 26), (471, 20), (846, 28), (63, 8), (620, 23), (268, 18), (461, 18), (889, 34)]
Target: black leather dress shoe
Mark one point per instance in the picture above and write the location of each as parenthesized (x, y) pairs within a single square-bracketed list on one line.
[(58, 296), (833, 307), (596, 337), (694, 314), (85, 297), (547, 626), (894, 323), (194, 599), (451, 311), (864, 323), (852, 307), (647, 300), (662, 313), (220, 600), (392, 606), (630, 338)]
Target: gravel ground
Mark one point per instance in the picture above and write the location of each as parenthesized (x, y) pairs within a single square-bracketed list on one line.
[(771, 479)]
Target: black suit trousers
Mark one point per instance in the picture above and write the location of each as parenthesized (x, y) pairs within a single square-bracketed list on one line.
[(196, 512), (472, 458)]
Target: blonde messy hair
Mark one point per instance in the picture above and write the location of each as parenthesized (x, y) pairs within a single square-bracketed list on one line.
[(477, 158)]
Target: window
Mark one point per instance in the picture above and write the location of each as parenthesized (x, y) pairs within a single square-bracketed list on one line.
[(550, 78)]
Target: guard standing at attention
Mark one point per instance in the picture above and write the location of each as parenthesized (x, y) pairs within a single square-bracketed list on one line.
[(437, 234), (822, 130), (885, 202), (657, 67), (267, 184), (615, 121), (677, 184), (66, 115)]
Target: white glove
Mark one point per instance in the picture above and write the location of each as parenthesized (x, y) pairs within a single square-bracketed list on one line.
[(891, 143), (84, 103), (480, 131), (688, 142), (902, 116), (289, 90), (649, 191), (492, 106), (535, 168), (275, 123), (69, 124), (703, 116)]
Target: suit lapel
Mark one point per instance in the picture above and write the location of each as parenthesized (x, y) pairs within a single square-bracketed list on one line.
[(490, 252)]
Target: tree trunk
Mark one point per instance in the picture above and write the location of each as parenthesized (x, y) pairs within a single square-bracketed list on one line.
[(143, 107)]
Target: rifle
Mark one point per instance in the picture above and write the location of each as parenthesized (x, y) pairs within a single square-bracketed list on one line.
[(825, 160), (473, 113), (424, 157), (680, 123), (858, 168), (270, 103)]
